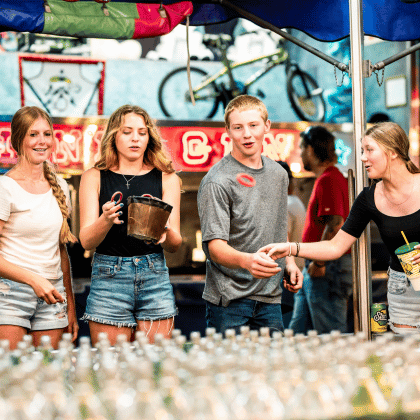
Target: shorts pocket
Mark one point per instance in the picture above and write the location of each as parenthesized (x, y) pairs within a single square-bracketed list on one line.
[(397, 286), (158, 265), (103, 271)]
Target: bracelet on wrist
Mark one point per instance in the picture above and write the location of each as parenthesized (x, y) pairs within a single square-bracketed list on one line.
[(290, 249), (297, 248), (317, 264)]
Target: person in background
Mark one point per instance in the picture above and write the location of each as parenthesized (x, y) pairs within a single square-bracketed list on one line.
[(296, 219), (393, 203), (321, 304), (296, 213), (36, 294), (130, 288), (378, 117), (242, 205)]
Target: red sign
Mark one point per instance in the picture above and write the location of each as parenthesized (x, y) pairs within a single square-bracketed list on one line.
[(192, 149)]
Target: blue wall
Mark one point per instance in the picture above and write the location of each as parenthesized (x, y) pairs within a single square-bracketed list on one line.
[(374, 94)]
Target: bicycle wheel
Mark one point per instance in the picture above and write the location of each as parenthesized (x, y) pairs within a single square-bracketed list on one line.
[(305, 96), (174, 95)]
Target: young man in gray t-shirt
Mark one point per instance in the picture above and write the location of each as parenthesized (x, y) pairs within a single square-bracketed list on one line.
[(242, 204)]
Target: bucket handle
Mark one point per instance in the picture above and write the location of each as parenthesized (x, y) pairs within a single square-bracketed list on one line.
[(150, 196), (120, 198)]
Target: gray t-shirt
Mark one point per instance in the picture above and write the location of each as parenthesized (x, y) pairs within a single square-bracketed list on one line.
[(247, 218)]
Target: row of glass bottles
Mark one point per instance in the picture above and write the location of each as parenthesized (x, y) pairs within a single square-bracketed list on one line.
[(247, 376)]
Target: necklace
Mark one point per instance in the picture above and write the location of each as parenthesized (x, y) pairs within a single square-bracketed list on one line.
[(127, 181), (402, 202)]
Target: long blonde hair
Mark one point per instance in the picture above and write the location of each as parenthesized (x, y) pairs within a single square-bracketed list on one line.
[(21, 123), (154, 154), (393, 138)]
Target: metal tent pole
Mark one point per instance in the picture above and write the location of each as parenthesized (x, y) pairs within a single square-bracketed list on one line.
[(359, 124), (264, 24)]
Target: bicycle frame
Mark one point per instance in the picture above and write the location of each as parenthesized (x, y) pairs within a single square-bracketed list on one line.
[(274, 59)]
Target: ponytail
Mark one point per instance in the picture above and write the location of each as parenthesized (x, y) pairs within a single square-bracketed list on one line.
[(412, 167)]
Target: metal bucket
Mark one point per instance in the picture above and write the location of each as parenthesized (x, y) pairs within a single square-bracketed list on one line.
[(147, 217)]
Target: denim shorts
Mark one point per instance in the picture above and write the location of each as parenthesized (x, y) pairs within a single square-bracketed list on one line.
[(124, 290), (403, 303), (19, 305)]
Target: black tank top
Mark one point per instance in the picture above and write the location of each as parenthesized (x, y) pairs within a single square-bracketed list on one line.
[(117, 242)]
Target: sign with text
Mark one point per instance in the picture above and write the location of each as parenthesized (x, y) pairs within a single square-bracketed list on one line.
[(191, 148)]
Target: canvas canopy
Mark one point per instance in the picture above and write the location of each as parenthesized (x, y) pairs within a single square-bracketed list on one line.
[(326, 20)]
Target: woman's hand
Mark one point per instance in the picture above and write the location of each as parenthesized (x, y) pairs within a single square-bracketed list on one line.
[(162, 239), (111, 211), (45, 290), (73, 327), (416, 258), (276, 251)]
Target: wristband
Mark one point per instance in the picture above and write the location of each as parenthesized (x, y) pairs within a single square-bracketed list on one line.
[(290, 249), (297, 248), (318, 265)]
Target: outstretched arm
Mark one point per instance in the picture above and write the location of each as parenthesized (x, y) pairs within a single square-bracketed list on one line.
[(333, 224), (324, 250), (258, 263)]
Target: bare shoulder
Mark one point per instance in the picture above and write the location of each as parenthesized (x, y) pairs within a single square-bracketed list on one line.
[(90, 179), (91, 174), (171, 179)]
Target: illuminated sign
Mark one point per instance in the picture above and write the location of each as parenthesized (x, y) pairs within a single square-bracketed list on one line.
[(191, 149)]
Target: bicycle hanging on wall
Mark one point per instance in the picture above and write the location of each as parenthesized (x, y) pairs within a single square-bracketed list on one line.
[(210, 91)]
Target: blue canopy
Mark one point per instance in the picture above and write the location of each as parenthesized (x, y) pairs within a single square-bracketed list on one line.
[(326, 20)]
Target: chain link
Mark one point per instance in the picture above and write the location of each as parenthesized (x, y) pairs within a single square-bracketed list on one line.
[(377, 76), (339, 84)]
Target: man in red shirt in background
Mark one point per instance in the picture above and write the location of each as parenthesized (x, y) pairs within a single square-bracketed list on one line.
[(321, 304)]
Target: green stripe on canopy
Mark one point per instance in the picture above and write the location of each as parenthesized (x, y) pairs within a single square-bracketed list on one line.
[(87, 19)]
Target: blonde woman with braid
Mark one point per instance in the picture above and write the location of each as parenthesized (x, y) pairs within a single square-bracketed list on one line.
[(130, 288), (36, 294)]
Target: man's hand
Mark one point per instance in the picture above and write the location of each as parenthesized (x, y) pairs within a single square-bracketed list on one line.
[(261, 266), (293, 279), (315, 271)]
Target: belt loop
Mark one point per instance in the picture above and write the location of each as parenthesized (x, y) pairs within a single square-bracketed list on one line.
[(119, 262)]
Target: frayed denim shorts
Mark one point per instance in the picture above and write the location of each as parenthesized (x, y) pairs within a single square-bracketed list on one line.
[(19, 305), (125, 290), (403, 303)]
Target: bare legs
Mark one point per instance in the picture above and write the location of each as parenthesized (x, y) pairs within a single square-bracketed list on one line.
[(159, 326), (14, 334)]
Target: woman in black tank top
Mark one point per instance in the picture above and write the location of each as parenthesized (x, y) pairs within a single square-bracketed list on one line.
[(130, 287), (393, 203)]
